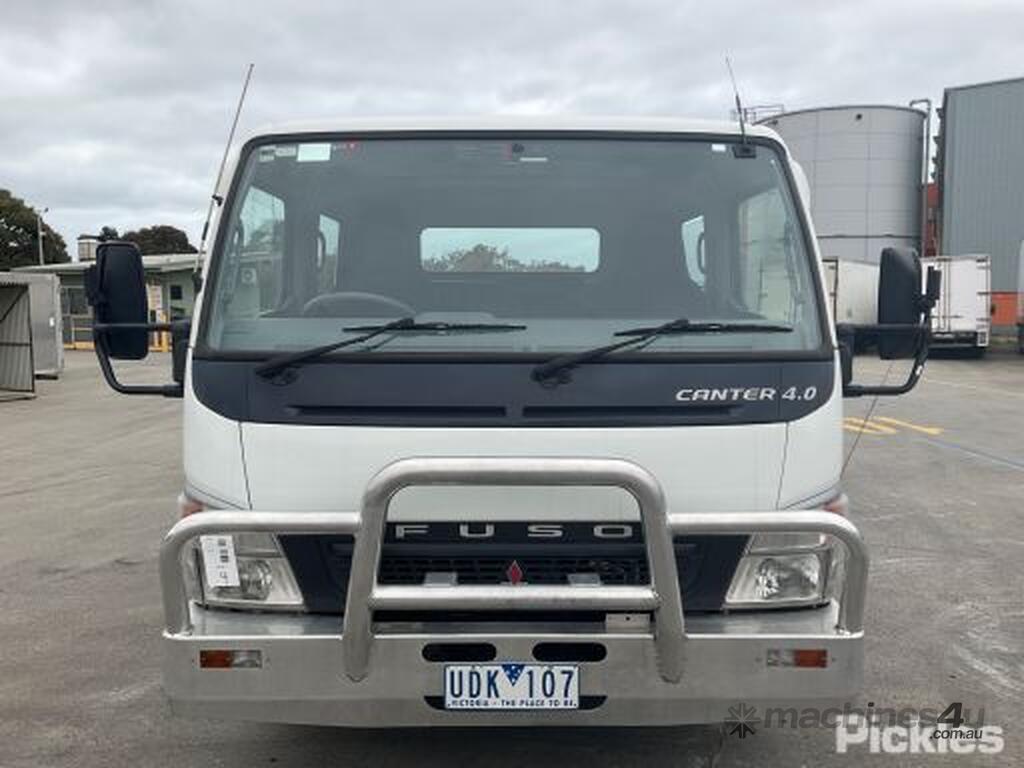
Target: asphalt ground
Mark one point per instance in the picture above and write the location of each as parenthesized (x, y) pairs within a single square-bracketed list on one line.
[(87, 486)]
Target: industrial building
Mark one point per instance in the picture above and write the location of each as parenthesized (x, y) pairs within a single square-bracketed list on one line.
[(980, 175)]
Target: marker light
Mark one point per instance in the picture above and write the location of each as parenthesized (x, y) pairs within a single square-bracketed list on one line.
[(807, 658), (230, 659)]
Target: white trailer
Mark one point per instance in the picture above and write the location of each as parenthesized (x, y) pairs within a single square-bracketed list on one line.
[(963, 315), (852, 290)]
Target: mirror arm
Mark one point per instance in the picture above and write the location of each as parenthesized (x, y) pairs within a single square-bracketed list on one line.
[(846, 333), (177, 329)]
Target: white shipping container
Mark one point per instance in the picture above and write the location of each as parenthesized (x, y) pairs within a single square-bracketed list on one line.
[(963, 314)]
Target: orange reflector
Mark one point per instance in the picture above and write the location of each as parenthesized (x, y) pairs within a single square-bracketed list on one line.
[(215, 659), (227, 659), (810, 657)]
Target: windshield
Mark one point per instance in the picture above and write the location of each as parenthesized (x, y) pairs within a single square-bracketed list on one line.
[(574, 239)]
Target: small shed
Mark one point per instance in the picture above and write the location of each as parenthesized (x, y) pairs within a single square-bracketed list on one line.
[(17, 378), (47, 322)]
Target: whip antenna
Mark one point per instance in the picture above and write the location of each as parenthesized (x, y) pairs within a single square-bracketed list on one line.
[(216, 199), (744, 148)]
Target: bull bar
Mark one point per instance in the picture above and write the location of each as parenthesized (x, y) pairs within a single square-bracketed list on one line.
[(661, 597)]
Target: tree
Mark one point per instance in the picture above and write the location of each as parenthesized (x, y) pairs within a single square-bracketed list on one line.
[(19, 239), (487, 258), (162, 238), (108, 233)]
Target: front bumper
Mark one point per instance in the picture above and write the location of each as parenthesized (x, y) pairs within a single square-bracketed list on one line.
[(354, 671)]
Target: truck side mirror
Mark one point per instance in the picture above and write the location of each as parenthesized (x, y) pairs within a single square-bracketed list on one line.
[(903, 330), (899, 302), (116, 287)]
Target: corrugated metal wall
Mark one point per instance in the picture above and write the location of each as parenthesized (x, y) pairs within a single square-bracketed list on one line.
[(983, 175), (16, 375), (44, 301)]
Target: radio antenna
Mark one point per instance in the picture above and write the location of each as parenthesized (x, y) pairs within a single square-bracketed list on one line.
[(216, 199), (744, 148)]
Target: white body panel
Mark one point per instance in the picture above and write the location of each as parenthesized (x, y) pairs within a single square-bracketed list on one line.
[(325, 468), (963, 312), (852, 291)]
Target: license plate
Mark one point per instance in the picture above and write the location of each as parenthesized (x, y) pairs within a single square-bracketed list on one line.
[(511, 685)]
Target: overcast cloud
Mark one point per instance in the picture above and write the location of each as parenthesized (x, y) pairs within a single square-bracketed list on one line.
[(116, 112)]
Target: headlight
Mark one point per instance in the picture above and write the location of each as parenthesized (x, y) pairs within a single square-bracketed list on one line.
[(244, 570), (785, 571)]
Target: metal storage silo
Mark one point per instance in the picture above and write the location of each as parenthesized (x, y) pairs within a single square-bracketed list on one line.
[(864, 165)]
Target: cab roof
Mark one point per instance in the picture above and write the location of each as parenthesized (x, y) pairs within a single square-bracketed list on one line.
[(499, 123), (495, 124)]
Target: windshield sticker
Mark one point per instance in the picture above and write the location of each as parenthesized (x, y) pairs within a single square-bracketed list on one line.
[(313, 153)]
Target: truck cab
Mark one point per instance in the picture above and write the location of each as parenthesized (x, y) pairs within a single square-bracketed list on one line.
[(510, 422)]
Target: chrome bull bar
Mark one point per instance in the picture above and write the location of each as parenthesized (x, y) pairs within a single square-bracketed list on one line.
[(662, 597)]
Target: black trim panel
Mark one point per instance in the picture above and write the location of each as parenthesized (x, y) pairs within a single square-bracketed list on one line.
[(435, 394)]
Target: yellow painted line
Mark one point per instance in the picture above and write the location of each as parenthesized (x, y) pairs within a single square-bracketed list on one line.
[(866, 426), (909, 425)]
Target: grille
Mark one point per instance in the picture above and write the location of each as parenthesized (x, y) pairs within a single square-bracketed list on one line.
[(619, 570), (322, 565)]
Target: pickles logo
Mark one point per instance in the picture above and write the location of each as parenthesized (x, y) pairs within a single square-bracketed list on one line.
[(742, 720)]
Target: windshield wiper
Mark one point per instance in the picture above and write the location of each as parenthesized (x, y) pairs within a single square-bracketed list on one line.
[(707, 327), (638, 336), (274, 365), (441, 327)]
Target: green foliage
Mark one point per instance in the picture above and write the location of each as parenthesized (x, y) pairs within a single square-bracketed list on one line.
[(487, 258), (19, 241), (108, 233), (161, 238)]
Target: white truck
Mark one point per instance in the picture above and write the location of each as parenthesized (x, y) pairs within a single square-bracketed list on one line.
[(510, 422), (962, 316)]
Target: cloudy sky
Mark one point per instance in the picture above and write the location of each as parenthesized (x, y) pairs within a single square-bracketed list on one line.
[(116, 112)]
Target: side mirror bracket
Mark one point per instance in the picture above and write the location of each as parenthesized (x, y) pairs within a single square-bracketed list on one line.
[(179, 331)]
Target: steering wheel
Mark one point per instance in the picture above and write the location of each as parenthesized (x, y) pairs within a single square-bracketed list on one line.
[(356, 304)]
